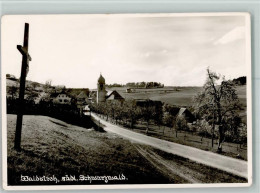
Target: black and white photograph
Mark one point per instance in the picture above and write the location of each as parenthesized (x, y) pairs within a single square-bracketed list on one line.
[(126, 101)]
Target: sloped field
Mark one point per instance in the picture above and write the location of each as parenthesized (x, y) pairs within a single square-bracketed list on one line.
[(52, 147)]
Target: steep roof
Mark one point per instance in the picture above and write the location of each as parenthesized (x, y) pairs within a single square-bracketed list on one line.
[(114, 95), (188, 115), (181, 111), (82, 95), (55, 94), (109, 92)]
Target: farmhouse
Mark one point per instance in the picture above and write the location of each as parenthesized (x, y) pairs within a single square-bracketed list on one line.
[(189, 117), (114, 95), (83, 101), (60, 98), (82, 98)]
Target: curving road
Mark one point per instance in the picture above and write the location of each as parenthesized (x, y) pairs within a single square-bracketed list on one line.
[(231, 165)]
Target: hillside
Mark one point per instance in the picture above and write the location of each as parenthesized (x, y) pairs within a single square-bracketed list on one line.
[(179, 96), (56, 147), (53, 147), (39, 88)]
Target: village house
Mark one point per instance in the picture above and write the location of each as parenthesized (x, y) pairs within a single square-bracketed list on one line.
[(83, 101), (60, 98), (82, 98), (114, 95), (182, 112), (189, 117)]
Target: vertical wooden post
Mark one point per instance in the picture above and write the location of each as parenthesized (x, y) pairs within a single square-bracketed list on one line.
[(20, 110)]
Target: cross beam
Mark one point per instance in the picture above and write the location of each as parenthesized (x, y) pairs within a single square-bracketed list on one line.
[(25, 64), (24, 51)]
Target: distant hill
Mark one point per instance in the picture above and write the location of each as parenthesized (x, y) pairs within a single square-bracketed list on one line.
[(137, 85), (32, 86)]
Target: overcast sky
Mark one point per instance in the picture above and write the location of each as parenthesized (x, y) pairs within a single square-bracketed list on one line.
[(72, 50)]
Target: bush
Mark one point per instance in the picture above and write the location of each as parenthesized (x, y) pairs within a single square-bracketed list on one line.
[(203, 128)]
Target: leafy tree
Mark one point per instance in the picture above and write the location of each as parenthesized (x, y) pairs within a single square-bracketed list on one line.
[(180, 124), (35, 85), (132, 111), (32, 96), (240, 81), (148, 113), (118, 112), (203, 128), (217, 103), (111, 110), (46, 98), (167, 120), (158, 115), (13, 91)]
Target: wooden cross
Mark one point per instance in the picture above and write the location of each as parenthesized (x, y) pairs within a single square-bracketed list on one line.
[(25, 66)]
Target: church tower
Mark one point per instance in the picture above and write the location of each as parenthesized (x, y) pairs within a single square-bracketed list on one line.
[(101, 90)]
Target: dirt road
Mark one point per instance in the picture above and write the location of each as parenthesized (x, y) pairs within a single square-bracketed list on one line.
[(224, 163), (170, 167)]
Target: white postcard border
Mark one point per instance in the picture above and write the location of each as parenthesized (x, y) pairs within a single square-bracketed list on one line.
[(141, 186)]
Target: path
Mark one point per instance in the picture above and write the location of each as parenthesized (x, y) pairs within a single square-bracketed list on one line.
[(231, 165), (170, 167)]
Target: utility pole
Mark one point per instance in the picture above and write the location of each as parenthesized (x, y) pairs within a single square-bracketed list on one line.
[(24, 70)]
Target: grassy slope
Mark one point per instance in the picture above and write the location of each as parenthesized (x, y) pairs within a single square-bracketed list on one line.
[(189, 139), (54, 147), (72, 91), (181, 96)]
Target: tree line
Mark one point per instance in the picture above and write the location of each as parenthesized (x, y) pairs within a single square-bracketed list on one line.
[(137, 85)]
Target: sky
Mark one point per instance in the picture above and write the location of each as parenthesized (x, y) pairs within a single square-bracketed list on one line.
[(73, 50)]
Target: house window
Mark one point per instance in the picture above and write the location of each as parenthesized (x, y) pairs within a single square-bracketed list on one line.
[(60, 100), (65, 100)]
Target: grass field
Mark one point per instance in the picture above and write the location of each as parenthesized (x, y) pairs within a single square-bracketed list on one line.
[(179, 96), (187, 138), (53, 147)]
